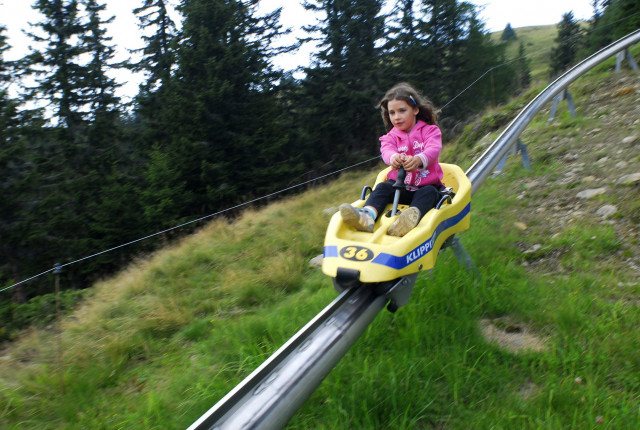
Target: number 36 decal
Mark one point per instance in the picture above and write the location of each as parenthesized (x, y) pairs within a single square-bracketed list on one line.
[(356, 253)]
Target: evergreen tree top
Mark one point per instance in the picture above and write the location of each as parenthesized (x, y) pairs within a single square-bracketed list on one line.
[(508, 33)]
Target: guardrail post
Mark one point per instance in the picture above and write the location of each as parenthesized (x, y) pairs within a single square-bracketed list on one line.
[(460, 252), (565, 94), (522, 149), (57, 270), (620, 56), (526, 162)]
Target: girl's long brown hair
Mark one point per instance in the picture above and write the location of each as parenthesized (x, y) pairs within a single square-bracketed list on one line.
[(403, 91)]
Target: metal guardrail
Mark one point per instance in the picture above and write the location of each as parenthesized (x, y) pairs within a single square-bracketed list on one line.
[(271, 395), (485, 164)]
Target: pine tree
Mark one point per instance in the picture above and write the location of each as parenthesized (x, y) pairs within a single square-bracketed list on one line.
[(7, 106), (99, 91), (402, 29), (24, 187), (343, 87), (222, 124), (57, 67), (523, 69), (598, 7), (78, 158), (568, 42), (626, 15), (450, 50), (613, 19), (157, 62), (13, 165), (159, 35), (599, 35), (70, 67), (100, 88), (508, 33), (165, 194), (444, 30), (111, 203)]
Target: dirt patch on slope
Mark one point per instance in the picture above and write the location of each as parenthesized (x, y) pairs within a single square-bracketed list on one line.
[(512, 336)]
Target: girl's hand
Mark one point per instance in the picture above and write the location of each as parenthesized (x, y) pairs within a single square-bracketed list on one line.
[(412, 163), (396, 161)]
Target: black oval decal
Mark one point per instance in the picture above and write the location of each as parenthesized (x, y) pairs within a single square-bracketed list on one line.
[(356, 253)]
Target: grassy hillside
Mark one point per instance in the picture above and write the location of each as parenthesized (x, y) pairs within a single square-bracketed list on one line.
[(545, 337), (538, 41)]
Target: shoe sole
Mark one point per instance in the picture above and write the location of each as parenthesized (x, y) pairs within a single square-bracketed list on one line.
[(351, 217), (406, 221)]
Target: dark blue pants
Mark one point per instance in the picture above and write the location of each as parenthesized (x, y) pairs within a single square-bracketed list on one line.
[(424, 198)]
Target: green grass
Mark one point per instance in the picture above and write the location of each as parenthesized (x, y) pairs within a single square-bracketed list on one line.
[(538, 41), (158, 345)]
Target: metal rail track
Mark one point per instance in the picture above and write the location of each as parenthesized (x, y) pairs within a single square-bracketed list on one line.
[(485, 164), (271, 395)]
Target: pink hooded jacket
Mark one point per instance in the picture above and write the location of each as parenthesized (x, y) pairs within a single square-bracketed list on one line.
[(424, 141)]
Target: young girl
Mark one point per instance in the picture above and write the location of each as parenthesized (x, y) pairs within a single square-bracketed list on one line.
[(413, 141)]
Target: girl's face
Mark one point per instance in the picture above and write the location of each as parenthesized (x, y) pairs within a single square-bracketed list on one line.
[(402, 115)]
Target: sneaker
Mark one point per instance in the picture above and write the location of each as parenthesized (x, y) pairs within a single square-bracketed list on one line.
[(358, 218), (406, 221)]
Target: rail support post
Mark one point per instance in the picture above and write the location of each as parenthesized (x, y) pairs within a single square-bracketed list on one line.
[(564, 94), (522, 149), (621, 56), (400, 293), (461, 254)]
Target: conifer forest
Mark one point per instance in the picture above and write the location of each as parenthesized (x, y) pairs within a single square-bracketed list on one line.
[(214, 122)]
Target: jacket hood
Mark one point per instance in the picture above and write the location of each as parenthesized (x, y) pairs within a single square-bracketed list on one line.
[(420, 124)]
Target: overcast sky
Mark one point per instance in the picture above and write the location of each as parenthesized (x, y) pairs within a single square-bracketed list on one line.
[(15, 15)]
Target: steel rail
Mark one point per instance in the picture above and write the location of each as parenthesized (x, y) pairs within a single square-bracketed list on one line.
[(270, 395), (485, 164)]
